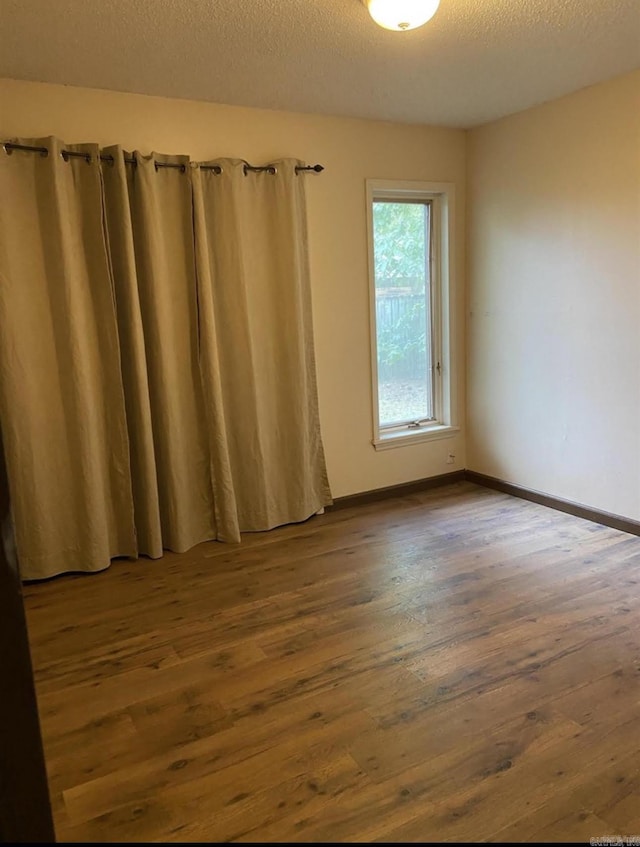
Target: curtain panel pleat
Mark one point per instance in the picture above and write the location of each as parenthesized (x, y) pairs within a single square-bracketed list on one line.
[(157, 375)]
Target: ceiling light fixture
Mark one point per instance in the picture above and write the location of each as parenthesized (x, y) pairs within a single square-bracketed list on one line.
[(401, 14)]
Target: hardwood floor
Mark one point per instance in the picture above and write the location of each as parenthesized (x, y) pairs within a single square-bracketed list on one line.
[(456, 665)]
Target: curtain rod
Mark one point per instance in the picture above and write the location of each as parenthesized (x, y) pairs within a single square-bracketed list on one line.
[(10, 146)]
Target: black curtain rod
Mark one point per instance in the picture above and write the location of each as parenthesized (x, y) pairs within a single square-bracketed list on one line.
[(10, 146)]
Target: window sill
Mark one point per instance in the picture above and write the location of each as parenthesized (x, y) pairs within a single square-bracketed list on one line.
[(403, 437)]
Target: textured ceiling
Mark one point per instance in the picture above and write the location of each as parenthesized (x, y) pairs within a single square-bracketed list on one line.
[(476, 60)]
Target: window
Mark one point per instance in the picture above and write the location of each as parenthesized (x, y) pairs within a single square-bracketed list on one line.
[(410, 269)]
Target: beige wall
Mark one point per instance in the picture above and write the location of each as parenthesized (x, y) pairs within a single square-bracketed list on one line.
[(553, 331), (351, 151)]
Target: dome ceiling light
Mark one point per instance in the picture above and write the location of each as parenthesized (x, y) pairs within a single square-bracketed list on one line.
[(401, 15)]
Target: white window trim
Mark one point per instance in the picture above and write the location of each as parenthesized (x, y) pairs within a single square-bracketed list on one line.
[(442, 196)]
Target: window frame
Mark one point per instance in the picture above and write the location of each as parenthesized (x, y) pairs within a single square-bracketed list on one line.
[(441, 197)]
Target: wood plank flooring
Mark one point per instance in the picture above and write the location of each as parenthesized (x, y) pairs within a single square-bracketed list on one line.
[(456, 665)]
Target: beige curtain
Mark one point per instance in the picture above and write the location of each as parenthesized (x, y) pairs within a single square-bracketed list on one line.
[(157, 381), (257, 345), (61, 400), (149, 223)]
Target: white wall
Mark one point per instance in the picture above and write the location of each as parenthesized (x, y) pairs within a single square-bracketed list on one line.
[(553, 330), (351, 151)]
